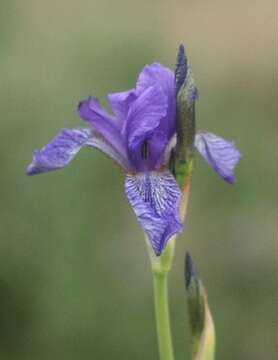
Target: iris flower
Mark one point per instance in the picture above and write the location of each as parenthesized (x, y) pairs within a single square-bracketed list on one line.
[(140, 135)]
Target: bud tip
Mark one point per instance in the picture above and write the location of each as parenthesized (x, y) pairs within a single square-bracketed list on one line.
[(181, 68), (190, 270)]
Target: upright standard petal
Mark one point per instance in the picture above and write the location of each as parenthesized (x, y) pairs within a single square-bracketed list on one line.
[(160, 77), (156, 74), (155, 198), (59, 151), (222, 155), (104, 123), (144, 117), (120, 103)]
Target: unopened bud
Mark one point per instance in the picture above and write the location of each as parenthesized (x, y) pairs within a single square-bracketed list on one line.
[(200, 319), (186, 95)]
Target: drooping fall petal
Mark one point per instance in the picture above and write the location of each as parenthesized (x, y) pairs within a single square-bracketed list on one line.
[(222, 155), (59, 151), (155, 199)]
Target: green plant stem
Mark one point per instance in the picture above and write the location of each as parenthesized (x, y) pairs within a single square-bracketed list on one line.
[(162, 315), (161, 265)]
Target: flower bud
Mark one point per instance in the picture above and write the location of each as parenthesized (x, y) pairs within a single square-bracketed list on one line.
[(200, 319), (186, 95)]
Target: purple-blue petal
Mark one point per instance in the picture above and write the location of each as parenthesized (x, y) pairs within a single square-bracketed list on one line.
[(156, 74), (101, 144), (145, 114), (155, 199), (59, 151), (222, 155), (105, 124), (120, 103), (161, 77), (62, 149), (144, 117)]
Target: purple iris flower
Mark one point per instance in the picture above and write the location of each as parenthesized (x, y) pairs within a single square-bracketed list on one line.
[(139, 135)]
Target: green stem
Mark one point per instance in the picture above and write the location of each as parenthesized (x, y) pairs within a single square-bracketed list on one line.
[(162, 315), (161, 265)]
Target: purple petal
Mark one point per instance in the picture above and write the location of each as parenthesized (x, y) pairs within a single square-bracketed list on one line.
[(159, 76), (120, 103), (156, 143), (104, 123), (155, 198), (144, 117), (99, 143), (222, 155), (60, 151), (156, 74), (155, 89)]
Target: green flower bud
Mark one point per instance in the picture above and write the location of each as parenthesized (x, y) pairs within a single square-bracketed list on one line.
[(200, 318)]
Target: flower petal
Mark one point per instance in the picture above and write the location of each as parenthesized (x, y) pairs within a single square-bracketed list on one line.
[(156, 74), (120, 103), (160, 76), (59, 151), (155, 198), (145, 115), (101, 144), (62, 149), (222, 155), (105, 124)]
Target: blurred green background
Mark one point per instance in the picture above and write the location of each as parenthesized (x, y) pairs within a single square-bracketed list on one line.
[(75, 280)]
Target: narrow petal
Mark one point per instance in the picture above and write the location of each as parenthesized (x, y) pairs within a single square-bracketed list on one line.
[(155, 198), (105, 124), (62, 149), (222, 155), (59, 151)]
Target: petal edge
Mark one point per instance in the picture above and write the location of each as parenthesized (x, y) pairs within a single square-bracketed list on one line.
[(59, 151), (222, 155)]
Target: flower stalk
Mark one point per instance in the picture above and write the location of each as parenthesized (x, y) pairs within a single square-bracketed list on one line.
[(161, 266), (160, 282)]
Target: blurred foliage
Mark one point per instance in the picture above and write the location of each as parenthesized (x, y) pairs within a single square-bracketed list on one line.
[(74, 275)]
